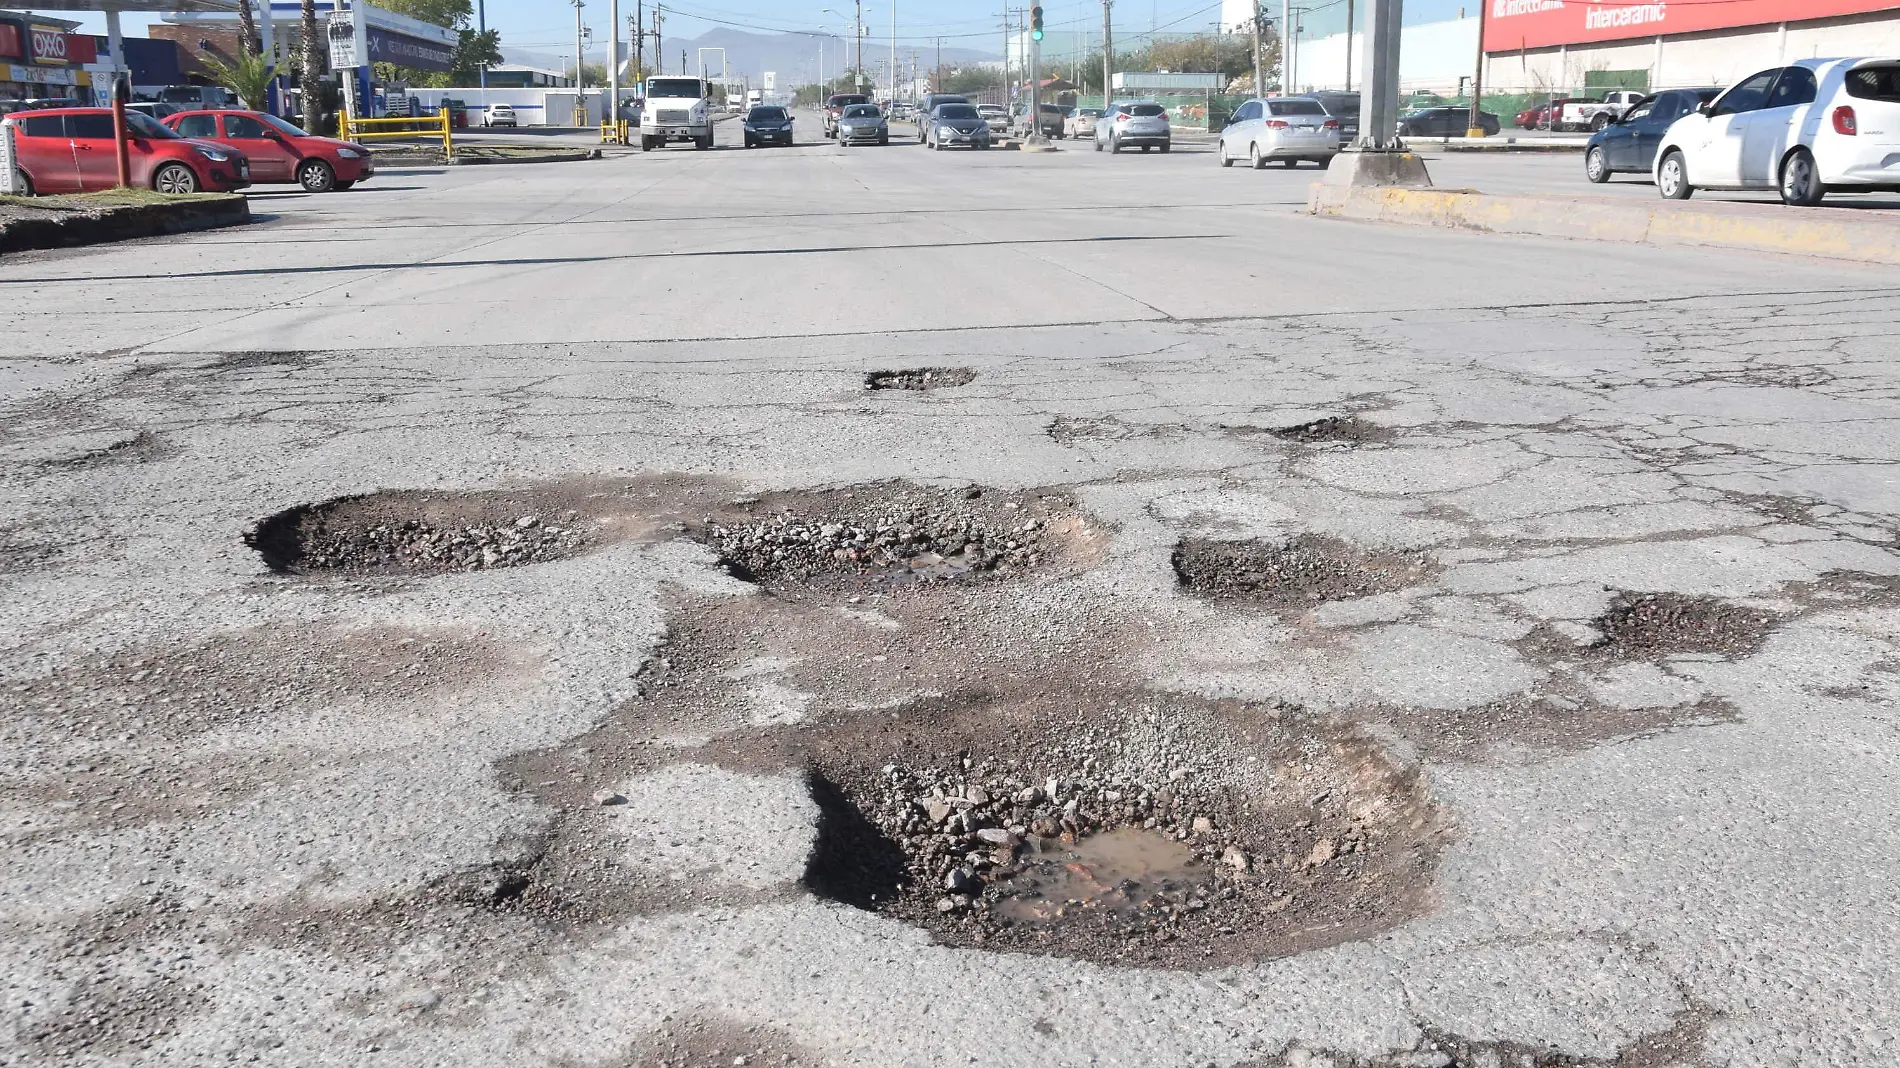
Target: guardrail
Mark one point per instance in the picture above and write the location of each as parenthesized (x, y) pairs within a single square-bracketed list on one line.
[(614, 133), (430, 126)]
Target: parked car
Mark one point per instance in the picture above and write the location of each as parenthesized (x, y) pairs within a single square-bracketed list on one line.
[(278, 151), (767, 124), (997, 116), (1628, 145), (1054, 120), (1345, 108), (1614, 105), (155, 108), (501, 115), (834, 107), (1286, 128), (1550, 114), (1082, 123), (72, 150), (1815, 126), (956, 124), (1143, 125), (863, 124), (1445, 120)]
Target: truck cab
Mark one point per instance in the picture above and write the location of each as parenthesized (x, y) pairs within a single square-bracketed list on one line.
[(677, 109)]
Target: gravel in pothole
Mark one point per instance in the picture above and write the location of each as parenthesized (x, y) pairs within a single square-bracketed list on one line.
[(1346, 429), (1296, 573), (920, 378), (1646, 625), (892, 534)]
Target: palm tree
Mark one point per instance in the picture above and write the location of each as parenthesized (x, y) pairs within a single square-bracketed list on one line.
[(249, 43), (249, 77), (312, 81)]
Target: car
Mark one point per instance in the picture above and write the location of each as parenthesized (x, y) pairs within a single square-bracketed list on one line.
[(997, 116), (157, 109), (1142, 124), (1286, 128), (72, 150), (1550, 114), (1082, 123), (1806, 129), (767, 124), (501, 115), (1628, 145), (929, 104), (278, 151), (1345, 108), (1054, 120), (1445, 120), (956, 124), (834, 107), (863, 124)]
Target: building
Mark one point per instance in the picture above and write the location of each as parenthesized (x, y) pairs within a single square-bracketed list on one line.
[(522, 76), (42, 58)]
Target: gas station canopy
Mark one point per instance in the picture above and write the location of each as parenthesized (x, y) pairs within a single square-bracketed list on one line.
[(134, 5)]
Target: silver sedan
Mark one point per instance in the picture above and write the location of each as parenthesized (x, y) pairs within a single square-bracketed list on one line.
[(863, 124)]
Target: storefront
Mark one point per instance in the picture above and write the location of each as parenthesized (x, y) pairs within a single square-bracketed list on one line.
[(41, 58)]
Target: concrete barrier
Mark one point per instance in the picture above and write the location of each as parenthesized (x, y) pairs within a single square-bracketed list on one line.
[(1836, 233), (64, 222)]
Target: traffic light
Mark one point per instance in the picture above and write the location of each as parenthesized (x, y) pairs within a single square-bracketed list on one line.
[(1035, 23)]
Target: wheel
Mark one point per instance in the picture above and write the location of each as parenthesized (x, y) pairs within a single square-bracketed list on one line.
[(1254, 159), (1166, 145), (341, 186), (1800, 180), (1672, 178), (1144, 149), (1220, 149), (885, 140), (1115, 145), (1098, 144), (315, 176), (1601, 121), (1289, 163), (1596, 166), (175, 178), (985, 146), (705, 143)]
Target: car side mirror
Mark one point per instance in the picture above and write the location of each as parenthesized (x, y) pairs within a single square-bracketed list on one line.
[(1706, 108)]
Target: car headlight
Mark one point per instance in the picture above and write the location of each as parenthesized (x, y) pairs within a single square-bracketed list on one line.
[(349, 153), (945, 131), (213, 154)]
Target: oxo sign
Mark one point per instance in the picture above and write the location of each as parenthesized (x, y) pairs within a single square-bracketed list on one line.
[(1515, 24), (49, 44)]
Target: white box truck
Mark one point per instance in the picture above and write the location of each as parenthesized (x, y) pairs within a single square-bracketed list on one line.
[(677, 109)]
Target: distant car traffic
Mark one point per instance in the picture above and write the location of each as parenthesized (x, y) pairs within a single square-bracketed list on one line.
[(278, 151), (834, 107), (74, 150), (1549, 115), (956, 124), (1054, 120), (1445, 120), (1812, 127), (1288, 129), (997, 116), (929, 104), (766, 124), (1345, 108), (1140, 125), (863, 124), (1082, 123), (157, 109), (1628, 145), (500, 115)]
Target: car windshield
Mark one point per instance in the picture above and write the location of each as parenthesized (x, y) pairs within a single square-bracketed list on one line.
[(675, 88), (956, 111), (1147, 111), (1295, 107), (280, 125), (144, 125), (1875, 83), (1090, 113), (860, 111), (766, 115)]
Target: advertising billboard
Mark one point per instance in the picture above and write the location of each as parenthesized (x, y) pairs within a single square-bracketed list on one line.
[(388, 46), (1515, 24)]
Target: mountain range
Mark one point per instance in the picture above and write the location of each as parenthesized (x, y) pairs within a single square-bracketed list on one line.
[(793, 56)]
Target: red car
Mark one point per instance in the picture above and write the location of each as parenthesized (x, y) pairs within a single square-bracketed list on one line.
[(1548, 115), (70, 150), (278, 151)]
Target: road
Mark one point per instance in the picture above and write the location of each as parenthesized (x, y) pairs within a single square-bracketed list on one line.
[(1562, 724)]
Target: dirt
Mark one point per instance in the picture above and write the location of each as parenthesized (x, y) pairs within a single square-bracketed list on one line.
[(1653, 625), (1342, 429), (1680, 1044), (139, 447), (1298, 573), (698, 1042), (921, 378), (1070, 429), (1535, 728)]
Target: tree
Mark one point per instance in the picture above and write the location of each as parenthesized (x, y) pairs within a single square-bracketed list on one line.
[(473, 52), (249, 43), (312, 81), (249, 76), (972, 80), (449, 14)]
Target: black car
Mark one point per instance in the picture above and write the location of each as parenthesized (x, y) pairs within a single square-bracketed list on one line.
[(766, 125), (1345, 108), (1445, 120), (957, 124), (1628, 145)]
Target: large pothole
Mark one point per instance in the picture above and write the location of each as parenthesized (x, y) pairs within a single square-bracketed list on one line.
[(1298, 573), (920, 378), (1335, 429), (1654, 625)]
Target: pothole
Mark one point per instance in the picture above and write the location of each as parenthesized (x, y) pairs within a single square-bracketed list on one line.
[(1297, 573), (243, 361), (920, 378), (1069, 429), (141, 447), (1344, 429), (1652, 625), (894, 534)]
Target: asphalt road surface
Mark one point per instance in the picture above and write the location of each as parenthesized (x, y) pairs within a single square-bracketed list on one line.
[(1552, 676)]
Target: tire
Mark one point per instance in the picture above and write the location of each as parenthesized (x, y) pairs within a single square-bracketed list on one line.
[(1672, 177), (1220, 149), (1254, 159), (885, 140), (1098, 144), (1800, 182), (316, 176), (344, 186), (1166, 145), (646, 144), (705, 143), (1596, 165), (1115, 145), (1600, 122), (1144, 150), (1289, 163), (175, 178)]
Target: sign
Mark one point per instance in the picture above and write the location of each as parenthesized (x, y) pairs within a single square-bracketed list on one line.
[(402, 50), (1516, 24), (343, 42), (54, 46), (10, 41), (9, 169)]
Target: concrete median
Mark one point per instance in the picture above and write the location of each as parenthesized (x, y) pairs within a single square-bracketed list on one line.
[(1836, 233)]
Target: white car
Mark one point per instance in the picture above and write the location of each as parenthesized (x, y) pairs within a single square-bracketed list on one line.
[(1816, 126), (1286, 128), (1142, 124), (499, 115)]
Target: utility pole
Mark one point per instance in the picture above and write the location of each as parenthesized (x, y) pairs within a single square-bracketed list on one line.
[(1108, 56), (1473, 127), (639, 43), (936, 82), (857, 77), (659, 43), (1006, 55), (1259, 79), (1286, 47), (481, 27), (1379, 102), (579, 55), (613, 63), (893, 97), (1349, 39)]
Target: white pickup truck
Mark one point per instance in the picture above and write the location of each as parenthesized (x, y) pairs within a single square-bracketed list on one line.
[(677, 109), (1588, 116)]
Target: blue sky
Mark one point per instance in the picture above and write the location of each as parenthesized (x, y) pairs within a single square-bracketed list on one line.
[(548, 25)]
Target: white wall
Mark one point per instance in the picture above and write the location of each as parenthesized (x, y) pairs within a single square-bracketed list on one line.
[(1432, 55), (533, 107)]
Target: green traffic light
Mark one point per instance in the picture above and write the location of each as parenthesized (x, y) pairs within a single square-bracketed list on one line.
[(1035, 34)]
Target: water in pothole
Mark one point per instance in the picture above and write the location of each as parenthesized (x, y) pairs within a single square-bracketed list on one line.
[(1125, 871)]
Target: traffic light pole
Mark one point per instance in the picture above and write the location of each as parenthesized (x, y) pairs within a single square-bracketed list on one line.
[(1036, 141)]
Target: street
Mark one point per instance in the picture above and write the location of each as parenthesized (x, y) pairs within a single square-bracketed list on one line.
[(497, 615)]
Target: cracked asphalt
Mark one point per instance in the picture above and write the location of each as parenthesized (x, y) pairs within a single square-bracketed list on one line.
[(243, 809)]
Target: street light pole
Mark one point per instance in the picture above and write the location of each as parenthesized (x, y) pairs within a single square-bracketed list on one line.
[(579, 54)]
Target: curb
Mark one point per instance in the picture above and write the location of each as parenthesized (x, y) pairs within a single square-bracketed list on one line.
[(552, 157), (92, 227), (1801, 231), (1503, 146)]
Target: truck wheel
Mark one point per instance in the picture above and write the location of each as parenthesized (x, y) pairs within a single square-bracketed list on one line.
[(646, 144), (1601, 121)]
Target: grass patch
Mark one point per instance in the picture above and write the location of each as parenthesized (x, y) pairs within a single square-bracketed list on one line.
[(106, 198)]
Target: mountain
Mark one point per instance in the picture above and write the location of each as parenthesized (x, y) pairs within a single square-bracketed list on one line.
[(793, 56)]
